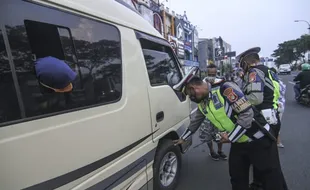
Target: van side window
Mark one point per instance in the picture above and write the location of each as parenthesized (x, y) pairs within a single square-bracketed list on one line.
[(161, 64), (55, 41), (92, 49), (9, 108)]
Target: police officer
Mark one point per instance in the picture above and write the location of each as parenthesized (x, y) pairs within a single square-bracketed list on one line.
[(262, 90), (260, 87), (240, 124)]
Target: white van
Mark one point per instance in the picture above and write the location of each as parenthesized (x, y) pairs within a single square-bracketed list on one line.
[(115, 129)]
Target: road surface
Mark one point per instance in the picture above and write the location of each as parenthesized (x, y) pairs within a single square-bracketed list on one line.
[(199, 172)]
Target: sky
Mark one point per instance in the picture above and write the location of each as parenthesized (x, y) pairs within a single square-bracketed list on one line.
[(247, 23)]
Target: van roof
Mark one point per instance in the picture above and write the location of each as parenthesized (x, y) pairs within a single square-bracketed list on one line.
[(112, 11)]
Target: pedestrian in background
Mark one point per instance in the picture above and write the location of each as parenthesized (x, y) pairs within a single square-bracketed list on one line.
[(207, 131), (207, 134)]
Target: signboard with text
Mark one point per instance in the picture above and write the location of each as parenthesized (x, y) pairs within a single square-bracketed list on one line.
[(173, 42), (231, 54), (219, 52), (180, 45)]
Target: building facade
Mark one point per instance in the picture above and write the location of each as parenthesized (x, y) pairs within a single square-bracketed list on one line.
[(195, 44), (205, 53), (157, 17), (177, 29), (187, 36), (213, 51)]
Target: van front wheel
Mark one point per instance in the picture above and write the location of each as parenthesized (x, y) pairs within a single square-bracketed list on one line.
[(167, 166)]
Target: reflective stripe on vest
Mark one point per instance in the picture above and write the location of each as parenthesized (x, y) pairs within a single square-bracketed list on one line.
[(276, 91), (218, 113)]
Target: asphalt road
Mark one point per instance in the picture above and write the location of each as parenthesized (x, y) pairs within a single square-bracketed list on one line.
[(199, 172)]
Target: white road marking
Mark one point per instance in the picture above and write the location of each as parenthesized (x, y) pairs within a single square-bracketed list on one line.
[(193, 111), (291, 82)]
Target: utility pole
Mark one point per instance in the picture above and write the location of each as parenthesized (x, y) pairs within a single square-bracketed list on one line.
[(305, 22)]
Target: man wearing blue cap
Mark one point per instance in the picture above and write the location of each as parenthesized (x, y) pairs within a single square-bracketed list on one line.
[(54, 74), (262, 91), (240, 124)]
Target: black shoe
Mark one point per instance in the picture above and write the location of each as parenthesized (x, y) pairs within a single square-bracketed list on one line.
[(214, 156), (256, 186), (222, 155)]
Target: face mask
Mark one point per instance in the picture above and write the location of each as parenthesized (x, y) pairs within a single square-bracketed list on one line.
[(244, 67), (194, 99), (210, 79)]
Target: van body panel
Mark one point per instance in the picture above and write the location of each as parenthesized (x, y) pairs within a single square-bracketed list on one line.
[(163, 99), (59, 139)]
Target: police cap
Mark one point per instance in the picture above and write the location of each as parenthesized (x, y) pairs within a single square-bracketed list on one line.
[(187, 78), (54, 73), (250, 51)]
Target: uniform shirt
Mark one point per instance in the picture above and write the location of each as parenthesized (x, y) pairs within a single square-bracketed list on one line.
[(304, 78), (239, 81), (255, 83), (235, 101)]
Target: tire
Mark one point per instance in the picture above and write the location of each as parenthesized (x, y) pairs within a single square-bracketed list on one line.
[(166, 149)]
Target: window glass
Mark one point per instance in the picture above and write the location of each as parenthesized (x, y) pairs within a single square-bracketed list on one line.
[(9, 108), (91, 49), (161, 64)]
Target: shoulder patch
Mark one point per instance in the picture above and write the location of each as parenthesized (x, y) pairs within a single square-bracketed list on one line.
[(241, 105), (252, 77), (230, 94)]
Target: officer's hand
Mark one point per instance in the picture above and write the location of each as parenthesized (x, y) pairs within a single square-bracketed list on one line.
[(178, 142), (224, 138)]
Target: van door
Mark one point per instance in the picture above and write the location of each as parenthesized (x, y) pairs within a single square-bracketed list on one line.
[(168, 108)]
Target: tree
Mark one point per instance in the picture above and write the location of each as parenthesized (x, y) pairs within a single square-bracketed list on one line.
[(291, 50), (304, 43)]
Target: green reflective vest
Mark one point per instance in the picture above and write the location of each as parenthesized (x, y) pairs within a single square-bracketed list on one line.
[(276, 91), (216, 114)]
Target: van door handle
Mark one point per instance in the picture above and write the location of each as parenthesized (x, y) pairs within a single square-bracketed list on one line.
[(160, 116)]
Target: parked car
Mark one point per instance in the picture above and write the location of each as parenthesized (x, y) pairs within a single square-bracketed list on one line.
[(285, 68)]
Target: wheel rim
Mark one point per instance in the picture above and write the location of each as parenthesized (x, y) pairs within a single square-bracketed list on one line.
[(168, 169)]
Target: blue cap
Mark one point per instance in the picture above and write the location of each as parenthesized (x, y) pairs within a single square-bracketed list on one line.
[(54, 73)]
